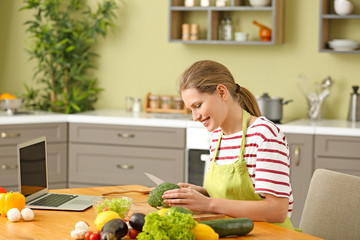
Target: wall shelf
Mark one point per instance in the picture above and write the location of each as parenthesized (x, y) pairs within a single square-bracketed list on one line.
[(179, 14), (328, 18)]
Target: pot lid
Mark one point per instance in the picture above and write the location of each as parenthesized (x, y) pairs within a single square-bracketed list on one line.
[(266, 96)]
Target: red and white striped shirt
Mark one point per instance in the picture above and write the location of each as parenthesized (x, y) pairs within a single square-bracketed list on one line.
[(266, 154)]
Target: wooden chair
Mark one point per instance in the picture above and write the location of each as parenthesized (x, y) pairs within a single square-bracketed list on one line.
[(332, 207)]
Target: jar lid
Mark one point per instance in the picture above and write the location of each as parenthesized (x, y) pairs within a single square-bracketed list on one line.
[(154, 97), (177, 98), (166, 97)]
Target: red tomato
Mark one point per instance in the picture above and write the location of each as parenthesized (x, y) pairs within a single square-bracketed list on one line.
[(88, 234), (133, 233), (105, 209), (2, 190), (95, 236)]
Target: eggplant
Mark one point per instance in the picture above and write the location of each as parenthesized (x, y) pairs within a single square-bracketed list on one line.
[(114, 229), (137, 221)]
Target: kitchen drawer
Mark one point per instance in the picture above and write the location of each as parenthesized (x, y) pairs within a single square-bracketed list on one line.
[(347, 166), (337, 146), (119, 165), (128, 135), (18, 133), (57, 164)]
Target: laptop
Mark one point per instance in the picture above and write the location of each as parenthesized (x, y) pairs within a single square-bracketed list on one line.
[(33, 180)]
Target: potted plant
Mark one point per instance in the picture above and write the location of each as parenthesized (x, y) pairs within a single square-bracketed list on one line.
[(63, 34)]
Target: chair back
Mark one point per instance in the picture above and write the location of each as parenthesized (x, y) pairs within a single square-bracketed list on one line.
[(332, 206)]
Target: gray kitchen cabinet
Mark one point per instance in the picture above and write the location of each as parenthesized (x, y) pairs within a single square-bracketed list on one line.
[(208, 19), (11, 135), (338, 153), (101, 154), (301, 170), (334, 26)]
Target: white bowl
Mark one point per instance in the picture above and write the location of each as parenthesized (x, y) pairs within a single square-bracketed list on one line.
[(259, 3), (343, 44), (116, 203)]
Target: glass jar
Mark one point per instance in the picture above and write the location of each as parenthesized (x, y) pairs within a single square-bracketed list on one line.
[(154, 101), (166, 102), (179, 104)]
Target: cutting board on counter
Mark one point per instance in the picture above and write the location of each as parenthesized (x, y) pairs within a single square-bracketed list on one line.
[(144, 207)]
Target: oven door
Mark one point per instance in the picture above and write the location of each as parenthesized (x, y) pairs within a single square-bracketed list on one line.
[(198, 163)]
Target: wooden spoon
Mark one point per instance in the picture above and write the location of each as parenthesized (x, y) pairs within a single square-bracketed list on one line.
[(146, 190)]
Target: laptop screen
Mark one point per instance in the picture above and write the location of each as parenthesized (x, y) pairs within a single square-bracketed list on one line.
[(32, 163)]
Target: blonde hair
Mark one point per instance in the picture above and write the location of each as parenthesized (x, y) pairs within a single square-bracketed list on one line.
[(205, 75)]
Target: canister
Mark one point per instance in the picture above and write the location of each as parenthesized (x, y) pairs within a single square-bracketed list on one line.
[(166, 102), (178, 102), (185, 31), (154, 101)]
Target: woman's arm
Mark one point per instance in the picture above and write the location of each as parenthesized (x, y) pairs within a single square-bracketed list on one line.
[(272, 209)]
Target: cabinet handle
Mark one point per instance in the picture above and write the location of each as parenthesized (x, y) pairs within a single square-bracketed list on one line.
[(297, 156), (5, 167), (125, 166), (205, 157), (10, 135), (126, 135)]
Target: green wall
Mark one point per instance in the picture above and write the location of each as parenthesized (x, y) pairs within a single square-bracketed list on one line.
[(136, 58)]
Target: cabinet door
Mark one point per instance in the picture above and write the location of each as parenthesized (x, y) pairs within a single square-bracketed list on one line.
[(301, 170), (57, 165), (128, 135), (17, 133), (120, 165), (338, 153)]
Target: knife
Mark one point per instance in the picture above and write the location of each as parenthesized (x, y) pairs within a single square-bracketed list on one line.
[(155, 179)]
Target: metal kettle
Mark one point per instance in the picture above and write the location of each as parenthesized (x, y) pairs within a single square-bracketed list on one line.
[(354, 108)]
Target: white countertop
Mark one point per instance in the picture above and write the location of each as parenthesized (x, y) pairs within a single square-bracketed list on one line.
[(301, 126)]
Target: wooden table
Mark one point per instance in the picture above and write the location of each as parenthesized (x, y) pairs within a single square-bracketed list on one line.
[(58, 224)]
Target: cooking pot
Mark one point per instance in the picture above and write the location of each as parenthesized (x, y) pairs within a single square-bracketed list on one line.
[(271, 107)]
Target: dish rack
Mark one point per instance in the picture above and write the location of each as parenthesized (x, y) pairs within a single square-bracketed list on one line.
[(160, 109)]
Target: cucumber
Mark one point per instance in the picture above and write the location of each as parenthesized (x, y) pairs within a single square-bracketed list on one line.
[(231, 226)]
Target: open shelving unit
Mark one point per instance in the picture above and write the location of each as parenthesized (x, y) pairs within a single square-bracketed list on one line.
[(329, 20), (210, 19)]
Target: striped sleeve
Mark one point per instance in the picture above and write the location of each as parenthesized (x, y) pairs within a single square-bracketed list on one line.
[(272, 172)]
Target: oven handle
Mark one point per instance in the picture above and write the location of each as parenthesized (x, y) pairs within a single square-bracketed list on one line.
[(205, 157)]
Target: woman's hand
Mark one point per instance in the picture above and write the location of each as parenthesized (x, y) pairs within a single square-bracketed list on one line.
[(195, 187), (187, 197)]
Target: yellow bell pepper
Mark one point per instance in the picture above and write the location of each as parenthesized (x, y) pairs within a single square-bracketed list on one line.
[(11, 200)]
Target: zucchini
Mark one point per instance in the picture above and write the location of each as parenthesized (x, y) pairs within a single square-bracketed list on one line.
[(231, 226)]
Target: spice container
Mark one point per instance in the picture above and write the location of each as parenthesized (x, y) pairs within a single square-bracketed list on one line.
[(137, 105), (194, 32), (129, 101), (205, 3), (185, 32), (178, 102), (154, 101), (189, 3), (166, 102)]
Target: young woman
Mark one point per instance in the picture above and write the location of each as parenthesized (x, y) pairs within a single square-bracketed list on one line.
[(249, 170)]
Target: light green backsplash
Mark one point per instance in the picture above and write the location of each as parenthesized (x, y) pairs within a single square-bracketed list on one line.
[(136, 58)]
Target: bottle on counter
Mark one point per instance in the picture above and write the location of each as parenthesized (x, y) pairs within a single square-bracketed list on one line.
[(137, 105), (228, 29)]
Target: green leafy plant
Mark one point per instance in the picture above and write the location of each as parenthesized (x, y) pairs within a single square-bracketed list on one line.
[(63, 34)]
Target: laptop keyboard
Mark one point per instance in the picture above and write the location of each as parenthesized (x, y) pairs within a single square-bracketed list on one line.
[(53, 200)]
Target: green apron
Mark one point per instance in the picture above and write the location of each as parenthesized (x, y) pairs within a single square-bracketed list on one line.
[(232, 181)]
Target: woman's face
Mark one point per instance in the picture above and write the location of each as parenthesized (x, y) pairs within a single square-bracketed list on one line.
[(210, 109)]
